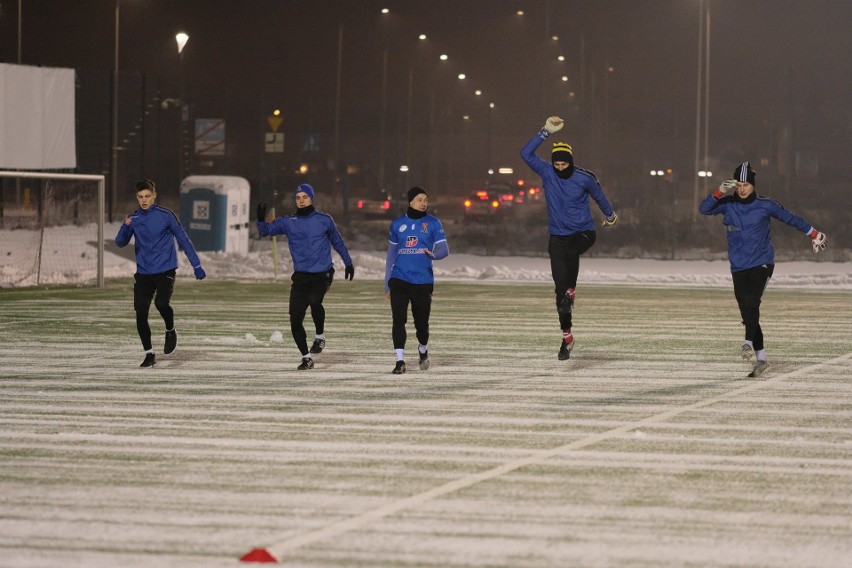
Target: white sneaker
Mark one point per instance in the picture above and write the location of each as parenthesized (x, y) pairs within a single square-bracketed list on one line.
[(760, 367)]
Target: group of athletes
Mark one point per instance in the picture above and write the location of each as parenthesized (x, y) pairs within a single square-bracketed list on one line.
[(416, 239)]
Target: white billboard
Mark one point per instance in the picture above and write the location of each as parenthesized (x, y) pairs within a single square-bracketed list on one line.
[(37, 118)]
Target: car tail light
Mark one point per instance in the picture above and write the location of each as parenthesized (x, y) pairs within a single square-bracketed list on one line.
[(360, 204), (386, 204), (495, 204), (467, 202)]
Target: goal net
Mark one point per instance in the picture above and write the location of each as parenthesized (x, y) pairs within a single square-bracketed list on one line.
[(51, 229)]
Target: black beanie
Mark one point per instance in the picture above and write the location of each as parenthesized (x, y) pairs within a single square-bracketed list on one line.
[(745, 173), (414, 192), (562, 152)]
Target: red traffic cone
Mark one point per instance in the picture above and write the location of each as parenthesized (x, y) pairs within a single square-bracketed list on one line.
[(259, 555)]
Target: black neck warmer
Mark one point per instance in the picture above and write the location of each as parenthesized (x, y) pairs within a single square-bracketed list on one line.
[(305, 211), (747, 200), (566, 173), (414, 213)]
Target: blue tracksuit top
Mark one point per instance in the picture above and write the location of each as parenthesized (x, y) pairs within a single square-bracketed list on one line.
[(406, 240), (748, 226), (310, 238), (568, 209), (155, 230)]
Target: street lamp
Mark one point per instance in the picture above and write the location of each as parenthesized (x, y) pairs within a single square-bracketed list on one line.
[(183, 139), (181, 39)]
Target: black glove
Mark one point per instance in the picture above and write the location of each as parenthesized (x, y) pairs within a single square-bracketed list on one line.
[(261, 211), (349, 272)]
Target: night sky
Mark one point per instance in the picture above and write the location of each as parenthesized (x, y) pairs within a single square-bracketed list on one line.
[(781, 73)]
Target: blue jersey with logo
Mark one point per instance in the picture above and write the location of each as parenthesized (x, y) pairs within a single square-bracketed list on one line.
[(407, 240)]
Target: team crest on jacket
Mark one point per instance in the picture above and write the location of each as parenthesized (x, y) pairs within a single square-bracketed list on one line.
[(402, 228), (424, 227), (411, 241)]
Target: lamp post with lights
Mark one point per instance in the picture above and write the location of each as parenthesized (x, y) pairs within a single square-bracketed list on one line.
[(183, 140)]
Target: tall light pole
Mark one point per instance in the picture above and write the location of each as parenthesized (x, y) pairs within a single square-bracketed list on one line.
[(113, 174), (20, 29), (383, 120), (703, 79), (181, 38), (344, 186)]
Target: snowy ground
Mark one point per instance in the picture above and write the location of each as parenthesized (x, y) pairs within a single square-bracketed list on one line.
[(71, 251), (649, 447)]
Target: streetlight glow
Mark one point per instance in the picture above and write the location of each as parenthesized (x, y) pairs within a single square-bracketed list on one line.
[(181, 39)]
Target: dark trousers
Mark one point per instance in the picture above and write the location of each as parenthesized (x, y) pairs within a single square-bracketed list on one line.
[(308, 290), (749, 286), (147, 287), (565, 254), (420, 296)]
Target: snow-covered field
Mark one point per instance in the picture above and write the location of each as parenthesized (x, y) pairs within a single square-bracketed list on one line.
[(649, 447)]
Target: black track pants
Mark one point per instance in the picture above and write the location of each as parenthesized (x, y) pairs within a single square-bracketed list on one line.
[(565, 254), (420, 296), (308, 290), (157, 287), (749, 286)]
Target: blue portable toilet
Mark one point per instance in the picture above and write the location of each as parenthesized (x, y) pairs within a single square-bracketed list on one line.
[(214, 211)]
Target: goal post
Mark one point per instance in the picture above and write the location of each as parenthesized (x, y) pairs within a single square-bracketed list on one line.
[(100, 198)]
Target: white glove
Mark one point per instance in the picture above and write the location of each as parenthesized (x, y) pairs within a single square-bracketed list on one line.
[(554, 124), (818, 242), (728, 185), (611, 220)]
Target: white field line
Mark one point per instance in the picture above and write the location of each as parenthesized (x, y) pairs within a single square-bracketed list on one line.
[(280, 548)]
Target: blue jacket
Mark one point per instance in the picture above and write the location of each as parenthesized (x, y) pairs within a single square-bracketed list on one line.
[(568, 209), (406, 240), (310, 238), (748, 226), (155, 231)]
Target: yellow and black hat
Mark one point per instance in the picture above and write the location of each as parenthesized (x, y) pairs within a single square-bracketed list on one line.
[(562, 152)]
